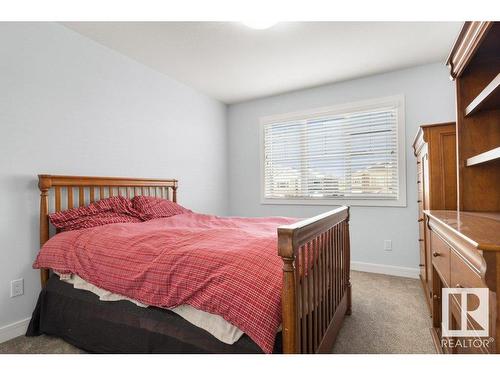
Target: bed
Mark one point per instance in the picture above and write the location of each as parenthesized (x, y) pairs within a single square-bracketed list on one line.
[(315, 283)]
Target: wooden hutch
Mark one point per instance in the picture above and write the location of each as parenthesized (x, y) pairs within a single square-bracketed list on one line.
[(461, 241), (435, 149)]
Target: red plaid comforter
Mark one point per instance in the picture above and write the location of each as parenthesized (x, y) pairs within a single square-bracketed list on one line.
[(227, 266)]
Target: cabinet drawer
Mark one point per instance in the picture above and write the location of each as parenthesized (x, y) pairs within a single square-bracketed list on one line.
[(462, 275), (440, 254)]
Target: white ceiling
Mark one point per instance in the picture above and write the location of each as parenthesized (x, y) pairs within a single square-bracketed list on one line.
[(233, 63)]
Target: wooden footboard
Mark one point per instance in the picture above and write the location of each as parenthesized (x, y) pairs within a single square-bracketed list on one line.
[(316, 281)]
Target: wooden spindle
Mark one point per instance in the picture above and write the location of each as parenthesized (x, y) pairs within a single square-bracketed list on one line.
[(101, 192), (81, 197), (110, 191), (324, 288), (320, 288), (297, 284), (304, 299), (337, 259), (327, 268), (341, 268), (317, 264), (339, 262), (70, 197), (339, 272), (92, 194), (332, 267), (309, 300), (348, 266), (58, 198), (315, 295), (342, 254), (332, 270)]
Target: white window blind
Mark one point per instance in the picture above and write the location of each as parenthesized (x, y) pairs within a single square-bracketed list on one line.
[(352, 155)]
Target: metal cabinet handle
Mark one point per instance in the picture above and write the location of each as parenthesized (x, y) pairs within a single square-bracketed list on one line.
[(435, 254), (420, 220), (458, 286), (420, 265), (420, 240)]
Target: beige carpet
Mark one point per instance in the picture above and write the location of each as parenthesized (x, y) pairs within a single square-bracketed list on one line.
[(389, 315)]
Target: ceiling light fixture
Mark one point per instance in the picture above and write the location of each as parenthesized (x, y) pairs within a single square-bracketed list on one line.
[(260, 24)]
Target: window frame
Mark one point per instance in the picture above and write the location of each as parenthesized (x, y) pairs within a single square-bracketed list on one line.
[(397, 101)]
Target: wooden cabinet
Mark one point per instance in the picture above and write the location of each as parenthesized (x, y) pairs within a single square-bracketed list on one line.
[(435, 149), (468, 247), (463, 239)]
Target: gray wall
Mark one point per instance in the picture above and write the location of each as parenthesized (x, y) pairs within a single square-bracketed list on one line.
[(71, 106), (429, 96)]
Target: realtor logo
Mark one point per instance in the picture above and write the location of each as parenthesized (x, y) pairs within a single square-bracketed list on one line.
[(473, 308)]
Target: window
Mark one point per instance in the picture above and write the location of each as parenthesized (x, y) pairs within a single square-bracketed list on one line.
[(352, 154)]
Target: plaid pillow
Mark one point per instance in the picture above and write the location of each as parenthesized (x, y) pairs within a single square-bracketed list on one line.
[(106, 211), (154, 208)]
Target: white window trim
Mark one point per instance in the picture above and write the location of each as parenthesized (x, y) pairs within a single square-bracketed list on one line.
[(397, 100)]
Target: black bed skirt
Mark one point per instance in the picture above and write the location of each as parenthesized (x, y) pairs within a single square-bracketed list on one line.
[(80, 318)]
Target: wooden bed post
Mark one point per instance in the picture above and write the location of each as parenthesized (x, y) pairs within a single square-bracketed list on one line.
[(174, 193), (348, 263), (44, 186), (289, 307)]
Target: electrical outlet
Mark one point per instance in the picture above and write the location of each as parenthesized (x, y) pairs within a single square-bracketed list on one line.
[(388, 245), (16, 288)]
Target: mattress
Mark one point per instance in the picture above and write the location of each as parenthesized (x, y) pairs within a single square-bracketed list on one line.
[(80, 318)]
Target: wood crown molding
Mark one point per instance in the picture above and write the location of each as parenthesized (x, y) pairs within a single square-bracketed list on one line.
[(469, 39)]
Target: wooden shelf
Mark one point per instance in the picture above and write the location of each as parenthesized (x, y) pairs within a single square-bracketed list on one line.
[(489, 98), (484, 157)]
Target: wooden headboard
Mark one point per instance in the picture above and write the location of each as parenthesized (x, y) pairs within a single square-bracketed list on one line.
[(64, 192)]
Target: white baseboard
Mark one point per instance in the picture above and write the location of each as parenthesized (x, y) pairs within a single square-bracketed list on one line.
[(385, 269), (14, 330)]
